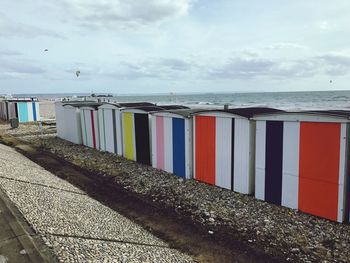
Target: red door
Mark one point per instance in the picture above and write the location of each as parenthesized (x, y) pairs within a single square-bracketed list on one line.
[(205, 148), (319, 169)]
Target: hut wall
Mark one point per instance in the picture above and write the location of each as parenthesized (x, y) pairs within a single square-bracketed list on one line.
[(224, 152), (110, 130), (171, 149), (302, 165), (89, 124), (72, 122)]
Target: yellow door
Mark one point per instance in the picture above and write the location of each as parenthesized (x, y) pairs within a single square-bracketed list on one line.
[(128, 136)]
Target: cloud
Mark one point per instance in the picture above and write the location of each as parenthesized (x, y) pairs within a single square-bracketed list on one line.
[(325, 25), (121, 13), (286, 45), (336, 64), (155, 68), (12, 28), (243, 67), (18, 69), (176, 64), (7, 53)]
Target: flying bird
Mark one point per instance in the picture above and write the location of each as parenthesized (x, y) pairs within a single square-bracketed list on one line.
[(77, 73), (330, 81), (45, 50)]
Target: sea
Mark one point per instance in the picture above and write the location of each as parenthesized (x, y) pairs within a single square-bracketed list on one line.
[(281, 100)]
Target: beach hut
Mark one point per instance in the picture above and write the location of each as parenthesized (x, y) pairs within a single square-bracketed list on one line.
[(12, 111), (68, 120), (172, 141), (72, 129), (89, 125), (3, 110), (110, 125), (136, 133), (28, 111), (224, 148), (60, 120), (302, 161)]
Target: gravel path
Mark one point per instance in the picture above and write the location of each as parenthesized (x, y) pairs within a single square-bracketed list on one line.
[(75, 226)]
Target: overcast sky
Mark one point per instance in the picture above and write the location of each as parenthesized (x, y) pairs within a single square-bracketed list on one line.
[(161, 46)]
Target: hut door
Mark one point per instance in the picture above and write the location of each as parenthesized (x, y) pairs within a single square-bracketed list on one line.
[(143, 154), (319, 169), (205, 136)]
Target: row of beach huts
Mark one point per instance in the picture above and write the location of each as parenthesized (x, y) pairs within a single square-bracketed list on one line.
[(23, 109), (293, 159)]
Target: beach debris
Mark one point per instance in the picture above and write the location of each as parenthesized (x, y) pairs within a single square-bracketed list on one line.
[(77, 73)]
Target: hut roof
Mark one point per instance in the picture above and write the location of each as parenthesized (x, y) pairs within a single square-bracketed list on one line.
[(245, 112), (91, 104), (186, 113), (331, 113), (135, 104), (173, 107), (146, 108)]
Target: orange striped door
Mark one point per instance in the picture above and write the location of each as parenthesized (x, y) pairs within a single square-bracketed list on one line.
[(205, 149), (319, 169)]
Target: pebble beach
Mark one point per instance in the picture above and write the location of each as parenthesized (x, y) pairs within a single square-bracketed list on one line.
[(286, 233)]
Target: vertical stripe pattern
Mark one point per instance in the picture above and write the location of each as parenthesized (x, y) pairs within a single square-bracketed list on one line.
[(260, 160), (205, 136), (319, 169), (168, 145), (273, 162), (178, 142), (114, 121), (34, 111), (160, 142), (223, 152), (128, 136), (232, 154), (93, 129), (241, 161), (290, 178), (22, 111), (308, 160), (143, 154)]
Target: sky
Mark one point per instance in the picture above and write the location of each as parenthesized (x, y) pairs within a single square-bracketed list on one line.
[(178, 46)]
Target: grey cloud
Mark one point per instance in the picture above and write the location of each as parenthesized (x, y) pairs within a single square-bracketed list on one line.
[(248, 67), (335, 65), (157, 68), (176, 64), (120, 13), (335, 59), (243, 68), (10, 68), (9, 53), (286, 45), (11, 28)]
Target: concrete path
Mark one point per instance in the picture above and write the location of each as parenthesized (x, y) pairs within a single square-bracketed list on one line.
[(76, 227), (18, 243)]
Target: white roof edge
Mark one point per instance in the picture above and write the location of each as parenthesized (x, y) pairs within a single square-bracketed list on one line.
[(302, 116), (169, 114), (219, 113)]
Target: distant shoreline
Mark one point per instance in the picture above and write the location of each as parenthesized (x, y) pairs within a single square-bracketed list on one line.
[(59, 95)]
